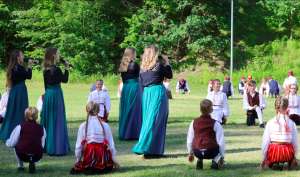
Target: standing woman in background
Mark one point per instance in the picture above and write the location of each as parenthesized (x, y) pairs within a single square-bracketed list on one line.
[(130, 119), (18, 97), (53, 116), (155, 104)]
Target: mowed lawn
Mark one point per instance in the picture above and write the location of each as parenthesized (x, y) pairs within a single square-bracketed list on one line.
[(243, 144)]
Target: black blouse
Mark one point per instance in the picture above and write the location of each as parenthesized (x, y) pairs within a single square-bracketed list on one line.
[(156, 75), (19, 74), (132, 71), (55, 76)]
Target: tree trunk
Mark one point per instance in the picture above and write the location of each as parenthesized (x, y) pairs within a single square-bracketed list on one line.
[(291, 37)]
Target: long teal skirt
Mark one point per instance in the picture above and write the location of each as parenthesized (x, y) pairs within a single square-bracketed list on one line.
[(130, 119), (15, 110), (155, 116), (53, 118)]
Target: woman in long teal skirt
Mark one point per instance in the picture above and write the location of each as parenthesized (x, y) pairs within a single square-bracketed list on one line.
[(130, 118), (155, 104), (18, 97), (53, 116)]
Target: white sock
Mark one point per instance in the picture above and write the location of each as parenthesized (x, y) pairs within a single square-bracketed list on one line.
[(216, 158), (259, 115), (20, 162), (37, 162)]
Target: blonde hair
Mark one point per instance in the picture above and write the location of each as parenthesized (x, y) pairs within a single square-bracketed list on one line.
[(31, 113), (150, 58), (92, 109), (206, 106), (252, 83), (281, 104), (49, 58), (128, 56)]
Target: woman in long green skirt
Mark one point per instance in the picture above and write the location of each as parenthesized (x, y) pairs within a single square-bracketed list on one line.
[(18, 97), (53, 116), (155, 104)]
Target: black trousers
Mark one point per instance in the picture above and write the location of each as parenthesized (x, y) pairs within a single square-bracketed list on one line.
[(206, 154), (251, 118), (29, 158)]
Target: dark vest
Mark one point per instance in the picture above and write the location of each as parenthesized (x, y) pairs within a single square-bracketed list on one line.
[(253, 101), (31, 138), (182, 85), (205, 136), (243, 85), (226, 88), (274, 87)]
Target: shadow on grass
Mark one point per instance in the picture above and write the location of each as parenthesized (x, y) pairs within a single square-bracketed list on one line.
[(230, 151), (137, 168)]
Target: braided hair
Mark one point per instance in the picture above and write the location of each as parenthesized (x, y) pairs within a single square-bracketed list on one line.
[(92, 109), (281, 105)]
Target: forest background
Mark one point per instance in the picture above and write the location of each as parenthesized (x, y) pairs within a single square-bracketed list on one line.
[(93, 34)]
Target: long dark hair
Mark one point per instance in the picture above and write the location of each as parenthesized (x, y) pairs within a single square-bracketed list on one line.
[(49, 58), (12, 63)]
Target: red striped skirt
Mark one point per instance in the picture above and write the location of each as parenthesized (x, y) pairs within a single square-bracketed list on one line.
[(95, 156), (280, 153)]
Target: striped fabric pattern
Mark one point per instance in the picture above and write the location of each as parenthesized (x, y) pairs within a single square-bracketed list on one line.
[(280, 153)]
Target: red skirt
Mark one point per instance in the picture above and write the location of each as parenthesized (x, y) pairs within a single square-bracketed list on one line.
[(95, 156), (280, 153)]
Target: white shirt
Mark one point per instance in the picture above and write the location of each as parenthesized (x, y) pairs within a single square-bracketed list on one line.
[(240, 86), (14, 138), (231, 89), (274, 133), (3, 104), (120, 89), (104, 88), (219, 138), (209, 88), (264, 86), (220, 105), (101, 97), (294, 106), (167, 85), (186, 85), (39, 104), (290, 80), (94, 134), (246, 104)]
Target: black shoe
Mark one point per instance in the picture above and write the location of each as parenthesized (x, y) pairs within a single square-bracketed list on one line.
[(20, 169), (275, 166), (32, 168), (214, 165), (262, 126), (199, 165), (275, 96)]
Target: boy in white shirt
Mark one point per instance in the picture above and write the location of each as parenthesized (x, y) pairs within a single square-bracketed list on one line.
[(210, 87), (3, 104), (227, 88), (242, 85)]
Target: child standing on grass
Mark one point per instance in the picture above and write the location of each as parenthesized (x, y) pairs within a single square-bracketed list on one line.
[(294, 104), (210, 87), (28, 139), (95, 150), (3, 103), (102, 98), (280, 140), (205, 138), (220, 103), (254, 103)]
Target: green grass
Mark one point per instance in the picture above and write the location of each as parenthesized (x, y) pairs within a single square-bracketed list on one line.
[(243, 143)]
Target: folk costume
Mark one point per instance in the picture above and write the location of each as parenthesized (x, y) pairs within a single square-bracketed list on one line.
[(96, 152), (53, 116), (183, 86), (220, 106), (294, 108), (288, 81), (93, 88), (205, 138), (120, 88), (17, 101), (155, 110), (275, 88), (264, 88), (249, 101), (227, 88), (130, 115), (28, 140), (210, 87), (103, 99), (242, 86), (168, 88), (246, 86), (280, 140), (39, 103), (3, 104)]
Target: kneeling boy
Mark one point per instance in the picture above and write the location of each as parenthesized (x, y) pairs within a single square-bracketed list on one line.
[(28, 139), (205, 138)]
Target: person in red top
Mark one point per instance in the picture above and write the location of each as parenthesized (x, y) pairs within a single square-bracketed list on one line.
[(28, 139), (205, 138)]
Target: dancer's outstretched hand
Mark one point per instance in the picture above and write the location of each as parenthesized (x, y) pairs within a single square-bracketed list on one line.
[(191, 158), (221, 162), (117, 166), (294, 163), (263, 164)]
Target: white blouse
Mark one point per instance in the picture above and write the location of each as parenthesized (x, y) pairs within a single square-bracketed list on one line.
[(102, 98), (94, 134), (246, 104), (3, 104), (290, 80), (39, 104), (293, 104), (209, 88), (167, 86), (278, 133), (220, 104)]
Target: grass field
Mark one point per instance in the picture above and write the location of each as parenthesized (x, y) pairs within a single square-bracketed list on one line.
[(243, 154)]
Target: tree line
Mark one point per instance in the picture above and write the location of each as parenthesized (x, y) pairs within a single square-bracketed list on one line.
[(93, 34)]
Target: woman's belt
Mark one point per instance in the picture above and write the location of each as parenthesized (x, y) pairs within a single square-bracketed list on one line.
[(280, 143), (151, 85), (20, 83), (57, 86), (128, 81)]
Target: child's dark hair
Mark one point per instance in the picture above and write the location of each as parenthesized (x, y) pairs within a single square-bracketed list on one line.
[(215, 80), (92, 109), (206, 106), (100, 80), (252, 83)]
